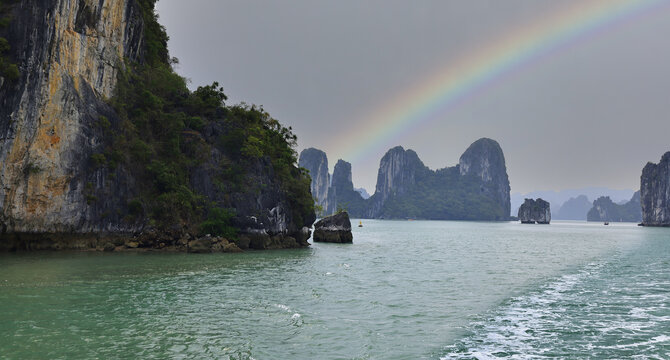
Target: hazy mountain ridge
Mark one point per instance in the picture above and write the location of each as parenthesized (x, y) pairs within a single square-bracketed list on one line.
[(575, 208), (604, 209), (558, 198)]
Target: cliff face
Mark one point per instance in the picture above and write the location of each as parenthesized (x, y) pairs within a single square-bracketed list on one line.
[(535, 211), (398, 172), (485, 160), (158, 167), (69, 54), (655, 193), (332, 193), (342, 194), (316, 162), (604, 209)]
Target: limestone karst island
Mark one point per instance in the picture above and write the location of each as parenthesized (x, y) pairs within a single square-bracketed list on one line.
[(334, 180)]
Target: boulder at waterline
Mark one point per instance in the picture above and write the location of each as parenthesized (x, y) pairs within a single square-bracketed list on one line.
[(535, 211), (335, 229)]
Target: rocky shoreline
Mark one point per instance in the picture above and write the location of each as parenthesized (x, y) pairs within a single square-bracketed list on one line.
[(150, 241)]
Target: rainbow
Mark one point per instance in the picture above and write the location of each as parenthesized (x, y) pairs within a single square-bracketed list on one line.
[(474, 72)]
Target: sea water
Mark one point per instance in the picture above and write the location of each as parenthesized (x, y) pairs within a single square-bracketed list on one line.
[(402, 290)]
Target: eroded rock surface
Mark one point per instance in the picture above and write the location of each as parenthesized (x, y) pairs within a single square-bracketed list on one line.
[(535, 211), (334, 229), (655, 193)]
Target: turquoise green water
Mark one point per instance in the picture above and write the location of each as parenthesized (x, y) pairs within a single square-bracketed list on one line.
[(403, 290)]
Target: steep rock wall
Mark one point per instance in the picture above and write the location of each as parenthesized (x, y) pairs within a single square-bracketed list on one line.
[(655, 193), (70, 52), (55, 119), (485, 159), (341, 193), (399, 170), (316, 162)]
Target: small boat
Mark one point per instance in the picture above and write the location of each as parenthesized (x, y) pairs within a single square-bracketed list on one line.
[(607, 222), (360, 223)]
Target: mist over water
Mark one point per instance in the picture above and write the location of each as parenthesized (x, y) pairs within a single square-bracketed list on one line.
[(404, 289)]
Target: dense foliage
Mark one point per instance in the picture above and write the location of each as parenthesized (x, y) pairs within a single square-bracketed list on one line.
[(8, 70), (444, 195), (352, 202), (160, 138)]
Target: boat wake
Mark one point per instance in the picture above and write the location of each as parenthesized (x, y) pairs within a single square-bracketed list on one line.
[(605, 310)]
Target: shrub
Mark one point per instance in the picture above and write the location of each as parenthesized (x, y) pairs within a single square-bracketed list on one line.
[(219, 223)]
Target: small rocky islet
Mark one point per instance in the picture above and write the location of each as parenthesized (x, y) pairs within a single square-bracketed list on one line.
[(334, 229), (536, 211)]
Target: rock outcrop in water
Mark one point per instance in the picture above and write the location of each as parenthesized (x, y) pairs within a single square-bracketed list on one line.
[(476, 189), (399, 171), (485, 160), (100, 142), (655, 193), (535, 211), (336, 193), (342, 195), (334, 229), (605, 210)]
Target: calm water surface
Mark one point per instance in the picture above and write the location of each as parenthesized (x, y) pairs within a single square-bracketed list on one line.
[(403, 290)]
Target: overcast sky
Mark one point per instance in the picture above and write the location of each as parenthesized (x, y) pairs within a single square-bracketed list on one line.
[(590, 114)]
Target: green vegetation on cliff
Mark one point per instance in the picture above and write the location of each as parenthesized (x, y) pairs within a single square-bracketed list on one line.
[(8, 70), (162, 137), (445, 195)]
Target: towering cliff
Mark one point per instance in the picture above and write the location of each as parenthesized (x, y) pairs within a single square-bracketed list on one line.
[(316, 162), (342, 194), (69, 55), (399, 171), (99, 137), (604, 209), (476, 189), (655, 193), (485, 160)]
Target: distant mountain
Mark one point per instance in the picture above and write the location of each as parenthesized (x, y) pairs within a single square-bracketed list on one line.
[(558, 198), (363, 192), (475, 189), (604, 209), (574, 209)]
